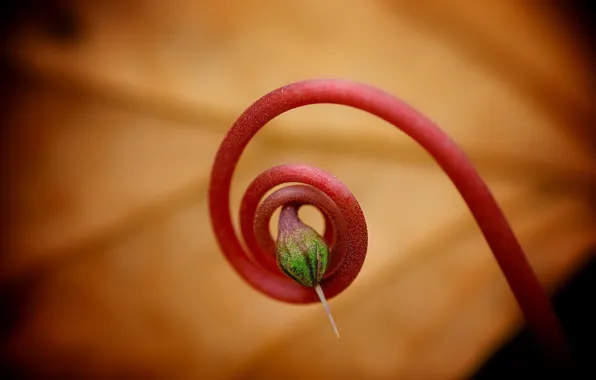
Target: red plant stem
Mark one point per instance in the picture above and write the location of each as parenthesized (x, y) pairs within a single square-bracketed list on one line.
[(507, 251)]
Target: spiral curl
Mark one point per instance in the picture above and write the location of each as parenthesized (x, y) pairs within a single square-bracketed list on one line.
[(345, 226)]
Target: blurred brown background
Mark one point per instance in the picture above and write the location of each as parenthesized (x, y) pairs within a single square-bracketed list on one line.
[(112, 115)]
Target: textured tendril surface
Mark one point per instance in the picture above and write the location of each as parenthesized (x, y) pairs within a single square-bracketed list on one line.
[(345, 226)]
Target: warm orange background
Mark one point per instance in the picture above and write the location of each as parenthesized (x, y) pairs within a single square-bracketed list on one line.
[(110, 259)]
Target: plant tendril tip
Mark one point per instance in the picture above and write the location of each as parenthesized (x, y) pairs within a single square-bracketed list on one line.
[(346, 232)]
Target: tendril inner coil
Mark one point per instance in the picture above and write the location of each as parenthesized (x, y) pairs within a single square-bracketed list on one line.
[(345, 227), (345, 224)]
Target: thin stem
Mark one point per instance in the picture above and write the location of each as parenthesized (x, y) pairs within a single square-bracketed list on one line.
[(288, 218), (507, 251)]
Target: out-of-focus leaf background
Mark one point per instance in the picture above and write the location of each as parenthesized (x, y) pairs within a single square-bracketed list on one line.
[(115, 110)]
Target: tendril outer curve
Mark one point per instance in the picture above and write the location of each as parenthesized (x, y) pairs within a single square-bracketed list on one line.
[(345, 226)]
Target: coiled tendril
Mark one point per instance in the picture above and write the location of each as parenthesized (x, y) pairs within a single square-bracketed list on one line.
[(345, 226)]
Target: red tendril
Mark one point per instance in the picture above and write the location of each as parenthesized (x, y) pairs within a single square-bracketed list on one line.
[(345, 226)]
